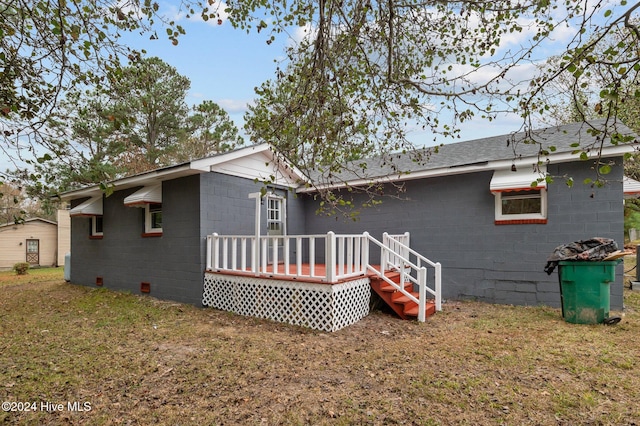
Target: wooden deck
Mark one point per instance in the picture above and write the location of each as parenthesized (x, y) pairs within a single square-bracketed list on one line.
[(253, 295), (305, 274)]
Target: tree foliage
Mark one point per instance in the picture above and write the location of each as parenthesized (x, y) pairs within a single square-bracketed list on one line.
[(16, 205), (88, 141), (578, 96), (50, 47), (368, 73), (150, 96), (209, 131), (59, 56), (136, 122)]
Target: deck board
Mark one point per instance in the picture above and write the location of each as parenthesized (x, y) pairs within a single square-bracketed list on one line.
[(319, 272)]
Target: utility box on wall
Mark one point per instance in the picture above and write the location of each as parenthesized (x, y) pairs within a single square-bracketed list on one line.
[(67, 267)]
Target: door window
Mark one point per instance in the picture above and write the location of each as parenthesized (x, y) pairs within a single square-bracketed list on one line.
[(33, 252)]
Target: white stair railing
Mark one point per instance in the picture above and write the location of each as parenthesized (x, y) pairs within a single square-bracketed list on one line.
[(401, 244), (395, 255)]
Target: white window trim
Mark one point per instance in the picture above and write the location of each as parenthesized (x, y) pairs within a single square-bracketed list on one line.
[(95, 233), (147, 220), (283, 212), (528, 216)]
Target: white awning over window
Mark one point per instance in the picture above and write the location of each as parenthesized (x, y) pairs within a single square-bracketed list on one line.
[(520, 180), (91, 207), (631, 187), (146, 195)]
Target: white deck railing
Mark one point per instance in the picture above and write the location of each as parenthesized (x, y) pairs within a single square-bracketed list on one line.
[(330, 258)]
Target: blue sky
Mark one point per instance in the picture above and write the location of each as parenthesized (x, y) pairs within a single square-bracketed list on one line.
[(223, 64)]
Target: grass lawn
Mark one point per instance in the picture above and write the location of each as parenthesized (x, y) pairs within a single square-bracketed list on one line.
[(77, 355)]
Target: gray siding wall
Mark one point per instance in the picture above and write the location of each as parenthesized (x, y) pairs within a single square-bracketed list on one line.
[(171, 263), (451, 221), (192, 208), (228, 210)]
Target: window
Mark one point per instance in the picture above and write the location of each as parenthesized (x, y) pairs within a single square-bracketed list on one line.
[(276, 225), (524, 206), (275, 221), (153, 219), (521, 202), (96, 226), (520, 195)]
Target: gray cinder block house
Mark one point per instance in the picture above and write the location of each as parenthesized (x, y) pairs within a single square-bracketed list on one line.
[(471, 208)]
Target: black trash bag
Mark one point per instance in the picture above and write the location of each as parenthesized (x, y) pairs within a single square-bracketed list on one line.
[(594, 249)]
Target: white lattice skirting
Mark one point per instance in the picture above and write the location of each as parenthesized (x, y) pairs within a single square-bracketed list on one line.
[(317, 306)]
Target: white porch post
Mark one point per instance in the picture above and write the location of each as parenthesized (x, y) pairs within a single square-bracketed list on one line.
[(365, 252), (330, 256), (422, 298), (216, 251), (209, 251), (384, 252), (438, 286), (255, 247)]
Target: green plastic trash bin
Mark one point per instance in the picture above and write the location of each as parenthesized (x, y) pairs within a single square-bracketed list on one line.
[(585, 290)]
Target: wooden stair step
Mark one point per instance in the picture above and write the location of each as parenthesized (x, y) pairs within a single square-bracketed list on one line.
[(430, 309), (388, 288), (404, 307), (399, 297)]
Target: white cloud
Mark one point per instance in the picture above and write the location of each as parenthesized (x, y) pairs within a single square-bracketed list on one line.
[(173, 13), (234, 105), (300, 33)]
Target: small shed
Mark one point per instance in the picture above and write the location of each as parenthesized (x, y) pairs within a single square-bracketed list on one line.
[(34, 241)]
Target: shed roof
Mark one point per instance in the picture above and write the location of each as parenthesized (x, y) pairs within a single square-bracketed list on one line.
[(33, 219), (91, 207), (631, 187)]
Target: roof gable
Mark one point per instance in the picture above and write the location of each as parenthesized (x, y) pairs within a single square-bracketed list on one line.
[(257, 162)]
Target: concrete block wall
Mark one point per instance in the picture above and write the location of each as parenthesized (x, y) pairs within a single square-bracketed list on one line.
[(228, 210), (192, 208), (451, 220), (123, 258)]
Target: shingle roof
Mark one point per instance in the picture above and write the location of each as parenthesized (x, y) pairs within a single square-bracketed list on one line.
[(491, 149), (508, 147)]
